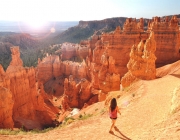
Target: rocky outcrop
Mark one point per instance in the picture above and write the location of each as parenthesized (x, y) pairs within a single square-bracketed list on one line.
[(48, 68), (132, 26), (111, 55), (52, 66), (68, 50), (109, 79), (77, 93), (142, 62), (99, 24), (30, 109), (118, 42), (167, 37), (16, 60), (71, 91), (6, 107), (71, 51)]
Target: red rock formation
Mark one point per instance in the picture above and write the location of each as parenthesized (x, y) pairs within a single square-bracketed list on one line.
[(85, 92), (52, 66), (56, 67), (70, 51), (108, 77), (142, 62), (6, 106), (118, 42), (30, 109), (45, 68), (131, 26), (77, 93), (16, 60), (167, 37), (73, 68), (71, 91), (51, 71)]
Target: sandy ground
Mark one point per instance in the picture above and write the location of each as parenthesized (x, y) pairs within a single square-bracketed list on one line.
[(145, 115)]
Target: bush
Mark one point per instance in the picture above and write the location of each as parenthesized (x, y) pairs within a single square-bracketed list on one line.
[(85, 116), (69, 120)]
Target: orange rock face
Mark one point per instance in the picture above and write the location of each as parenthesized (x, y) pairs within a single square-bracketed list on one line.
[(46, 67), (108, 77), (16, 61), (70, 51), (30, 109), (142, 62), (118, 45), (167, 37), (6, 107), (52, 66), (71, 91), (77, 93)]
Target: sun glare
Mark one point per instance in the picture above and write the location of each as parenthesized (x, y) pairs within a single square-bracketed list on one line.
[(36, 24)]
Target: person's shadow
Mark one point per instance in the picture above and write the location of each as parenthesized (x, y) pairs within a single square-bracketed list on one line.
[(123, 136)]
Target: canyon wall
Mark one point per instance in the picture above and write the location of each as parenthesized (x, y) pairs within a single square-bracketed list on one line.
[(70, 51), (167, 37), (52, 66), (78, 93)]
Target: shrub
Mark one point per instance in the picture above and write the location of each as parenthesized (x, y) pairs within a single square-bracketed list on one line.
[(68, 120), (85, 116)]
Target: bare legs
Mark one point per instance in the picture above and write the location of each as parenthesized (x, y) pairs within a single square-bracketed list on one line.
[(113, 124)]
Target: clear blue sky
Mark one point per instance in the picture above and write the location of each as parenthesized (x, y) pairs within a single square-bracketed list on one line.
[(75, 10)]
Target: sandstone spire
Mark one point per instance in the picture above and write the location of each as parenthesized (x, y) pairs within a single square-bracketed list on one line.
[(142, 62), (16, 60)]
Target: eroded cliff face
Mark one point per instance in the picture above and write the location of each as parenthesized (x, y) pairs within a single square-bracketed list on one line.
[(118, 45), (167, 37), (6, 106), (108, 78), (52, 66), (142, 62), (78, 93), (27, 104), (71, 51)]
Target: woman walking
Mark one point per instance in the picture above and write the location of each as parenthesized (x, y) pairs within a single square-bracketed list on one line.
[(113, 109)]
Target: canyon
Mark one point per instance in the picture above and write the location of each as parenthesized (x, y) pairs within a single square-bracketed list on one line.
[(85, 73), (111, 61)]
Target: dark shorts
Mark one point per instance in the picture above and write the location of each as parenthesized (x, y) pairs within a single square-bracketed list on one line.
[(113, 118)]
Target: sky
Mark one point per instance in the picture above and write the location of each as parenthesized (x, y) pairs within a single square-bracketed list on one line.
[(76, 10)]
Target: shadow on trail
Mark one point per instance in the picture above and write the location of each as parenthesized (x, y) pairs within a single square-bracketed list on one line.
[(176, 75), (123, 136)]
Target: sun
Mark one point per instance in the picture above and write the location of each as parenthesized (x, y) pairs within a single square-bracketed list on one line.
[(36, 23)]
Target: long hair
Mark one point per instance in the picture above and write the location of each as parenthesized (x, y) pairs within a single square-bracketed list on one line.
[(113, 104)]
